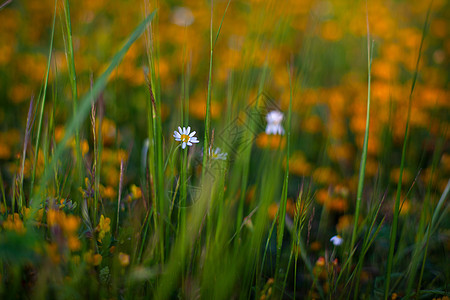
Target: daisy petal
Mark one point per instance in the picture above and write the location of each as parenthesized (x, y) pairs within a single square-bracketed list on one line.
[(192, 134), (183, 145)]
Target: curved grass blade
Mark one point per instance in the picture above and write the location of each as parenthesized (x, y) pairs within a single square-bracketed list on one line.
[(282, 208), (362, 167), (86, 101), (41, 113), (393, 236)]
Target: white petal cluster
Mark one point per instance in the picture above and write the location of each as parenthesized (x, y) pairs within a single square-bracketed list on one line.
[(217, 154), (274, 119), (185, 136), (337, 240)]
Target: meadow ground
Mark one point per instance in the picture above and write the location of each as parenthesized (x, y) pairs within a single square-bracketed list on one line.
[(319, 167)]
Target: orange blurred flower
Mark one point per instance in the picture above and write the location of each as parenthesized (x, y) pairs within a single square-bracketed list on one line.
[(273, 142)]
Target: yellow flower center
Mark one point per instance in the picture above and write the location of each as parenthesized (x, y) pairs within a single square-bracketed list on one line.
[(185, 138)]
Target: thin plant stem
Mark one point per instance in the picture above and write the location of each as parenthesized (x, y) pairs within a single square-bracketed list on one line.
[(208, 99), (73, 83), (282, 208), (2, 187), (393, 235), (85, 105), (119, 197), (41, 111), (362, 166), (24, 153)]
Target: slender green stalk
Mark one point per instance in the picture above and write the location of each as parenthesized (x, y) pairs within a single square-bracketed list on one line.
[(269, 185), (301, 211), (119, 196), (368, 239), (150, 160), (420, 235), (362, 166), (206, 142), (221, 22), (144, 230), (208, 99), (41, 111), (86, 102), (393, 235), (24, 153), (13, 200), (183, 247), (73, 83), (430, 228), (182, 207), (51, 133), (2, 187), (156, 155), (183, 192), (282, 208), (245, 163)]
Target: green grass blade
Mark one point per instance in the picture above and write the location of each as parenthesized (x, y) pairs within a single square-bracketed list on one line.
[(73, 83), (393, 235), (431, 229), (156, 155), (282, 208), (221, 22), (2, 188), (208, 99), (86, 100), (362, 166), (41, 111)]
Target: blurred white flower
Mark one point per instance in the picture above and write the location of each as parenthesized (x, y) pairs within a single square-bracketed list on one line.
[(217, 154), (274, 119), (182, 16), (185, 136), (337, 240)]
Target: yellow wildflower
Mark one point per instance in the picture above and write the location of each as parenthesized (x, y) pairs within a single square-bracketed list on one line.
[(74, 243), (136, 192), (108, 192), (14, 223), (93, 259), (124, 259), (71, 224), (53, 217), (108, 131), (103, 227)]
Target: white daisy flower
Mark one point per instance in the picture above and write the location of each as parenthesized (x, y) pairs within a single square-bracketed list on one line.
[(217, 154), (185, 136), (337, 240), (274, 119)]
